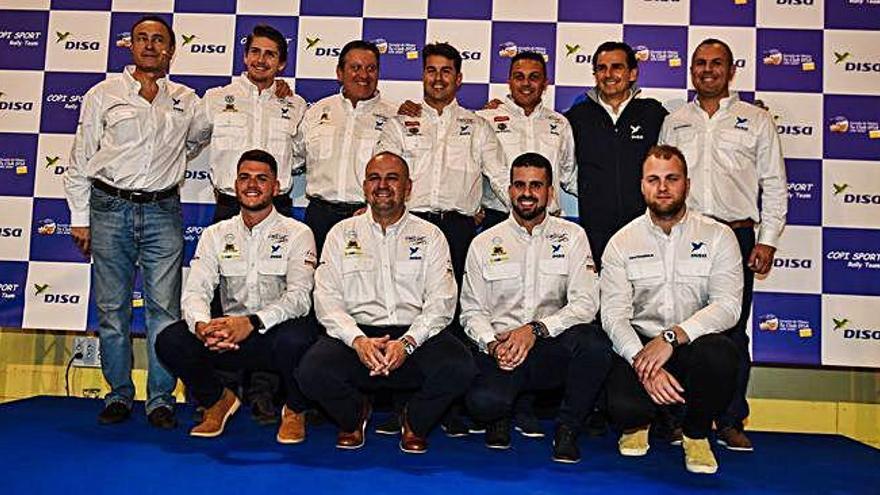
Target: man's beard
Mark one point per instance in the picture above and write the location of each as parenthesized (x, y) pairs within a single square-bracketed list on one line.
[(666, 212), (529, 215)]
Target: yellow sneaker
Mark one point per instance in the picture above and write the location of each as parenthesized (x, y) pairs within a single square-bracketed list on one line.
[(634, 444), (698, 456)]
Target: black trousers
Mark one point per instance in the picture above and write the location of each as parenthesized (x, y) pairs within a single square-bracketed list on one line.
[(738, 410), (706, 368), (279, 350), (227, 206), (493, 218), (440, 370), (459, 231), (579, 360), (322, 215)]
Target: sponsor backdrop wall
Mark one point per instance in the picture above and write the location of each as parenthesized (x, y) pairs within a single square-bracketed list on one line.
[(815, 64)]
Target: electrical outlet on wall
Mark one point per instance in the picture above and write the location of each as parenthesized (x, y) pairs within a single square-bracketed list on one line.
[(90, 347)]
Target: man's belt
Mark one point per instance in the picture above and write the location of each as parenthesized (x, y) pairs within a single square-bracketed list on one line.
[(437, 216), (339, 208), (139, 197), (227, 200), (746, 223)]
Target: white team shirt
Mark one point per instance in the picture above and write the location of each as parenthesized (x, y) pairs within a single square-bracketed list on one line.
[(127, 142), (400, 278), (336, 141), (731, 157), (544, 131), (448, 156), (512, 278), (237, 118), (267, 271), (652, 281)]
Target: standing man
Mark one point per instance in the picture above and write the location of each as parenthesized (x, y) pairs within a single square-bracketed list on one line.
[(263, 264), (451, 150), (671, 285), (522, 123), (127, 161), (385, 292), (613, 130), (738, 176), (337, 136), (247, 114), (530, 291)]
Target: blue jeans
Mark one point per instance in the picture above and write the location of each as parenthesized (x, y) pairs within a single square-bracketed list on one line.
[(126, 236)]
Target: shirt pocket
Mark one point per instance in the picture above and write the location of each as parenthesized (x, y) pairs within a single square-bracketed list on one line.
[(280, 137), (320, 143), (737, 148), (692, 277), (273, 278), (229, 131), (645, 274), (409, 281), (122, 124), (358, 279), (504, 280), (458, 152), (553, 279), (365, 144)]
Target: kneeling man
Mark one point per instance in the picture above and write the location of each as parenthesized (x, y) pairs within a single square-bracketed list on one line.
[(264, 264), (671, 283), (529, 294), (385, 293)]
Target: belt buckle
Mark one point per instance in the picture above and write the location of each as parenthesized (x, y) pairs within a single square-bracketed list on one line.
[(138, 196)]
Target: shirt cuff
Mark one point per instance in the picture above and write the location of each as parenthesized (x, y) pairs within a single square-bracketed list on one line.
[(768, 237), (349, 334), (268, 319), (79, 218), (554, 325), (692, 329)]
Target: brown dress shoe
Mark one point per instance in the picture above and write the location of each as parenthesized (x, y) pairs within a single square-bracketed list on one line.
[(352, 440), (410, 442), (215, 417), (733, 439), (293, 427)]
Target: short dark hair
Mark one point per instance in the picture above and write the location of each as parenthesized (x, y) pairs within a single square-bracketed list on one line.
[(716, 41), (444, 50), (357, 45), (536, 160), (395, 156), (267, 31), (259, 156), (155, 18), (534, 56), (666, 152), (610, 46)]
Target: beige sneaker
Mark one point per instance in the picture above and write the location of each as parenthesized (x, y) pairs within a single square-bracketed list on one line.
[(214, 418), (293, 427), (635, 443), (698, 456)]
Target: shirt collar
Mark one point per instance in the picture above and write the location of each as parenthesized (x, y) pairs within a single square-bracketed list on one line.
[(675, 228), (447, 110), (608, 108), (537, 230), (349, 106), (512, 107), (261, 227), (392, 229), (135, 86), (725, 102), (252, 88)]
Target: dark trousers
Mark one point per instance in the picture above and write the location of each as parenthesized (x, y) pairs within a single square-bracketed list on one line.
[(459, 231), (440, 370), (279, 350), (706, 368), (493, 218), (738, 410), (322, 215), (228, 207), (578, 359)]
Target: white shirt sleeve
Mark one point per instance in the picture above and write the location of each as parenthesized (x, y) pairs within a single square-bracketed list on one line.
[(329, 303), (567, 162), (583, 289), (440, 292), (77, 186), (772, 181), (617, 303), (297, 300), (476, 316), (204, 277), (725, 290), (487, 151), (200, 130), (391, 138)]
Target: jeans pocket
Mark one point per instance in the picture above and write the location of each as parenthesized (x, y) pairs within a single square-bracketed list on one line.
[(103, 202)]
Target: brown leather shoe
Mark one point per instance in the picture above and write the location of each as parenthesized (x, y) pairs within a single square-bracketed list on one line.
[(293, 427), (352, 440), (410, 442), (733, 439), (215, 417)]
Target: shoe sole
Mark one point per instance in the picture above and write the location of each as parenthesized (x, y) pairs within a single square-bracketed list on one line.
[(677, 443), (363, 434), (529, 434), (701, 469), (452, 434), (410, 451), (498, 447), (476, 431), (735, 449), (213, 434), (633, 452), (562, 460), (289, 441), (386, 432)]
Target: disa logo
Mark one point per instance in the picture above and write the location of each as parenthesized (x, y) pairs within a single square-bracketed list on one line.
[(849, 65), (53, 165), (15, 106), (53, 298), (320, 51), (196, 175), (194, 47), (15, 232), (843, 324), (64, 38), (573, 52), (854, 198)]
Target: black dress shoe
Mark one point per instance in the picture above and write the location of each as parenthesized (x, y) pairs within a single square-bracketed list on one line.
[(162, 417), (390, 426), (263, 411), (114, 412), (565, 448), (498, 434)]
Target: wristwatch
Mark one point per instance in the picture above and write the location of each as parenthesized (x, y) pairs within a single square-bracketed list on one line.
[(256, 322), (408, 346), (670, 338), (539, 329)]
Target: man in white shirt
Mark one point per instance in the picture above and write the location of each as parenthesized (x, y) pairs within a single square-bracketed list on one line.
[(523, 123), (738, 176), (530, 292), (263, 264), (337, 136), (127, 161), (385, 292), (247, 114), (671, 285), (450, 150)]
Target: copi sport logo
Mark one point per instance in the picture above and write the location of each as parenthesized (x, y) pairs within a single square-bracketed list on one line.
[(854, 66), (53, 298), (65, 39), (842, 324), (321, 51), (190, 41)]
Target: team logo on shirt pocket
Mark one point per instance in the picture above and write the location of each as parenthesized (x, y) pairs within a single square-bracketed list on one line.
[(497, 254), (554, 129), (742, 124), (285, 112), (380, 121), (230, 250), (175, 104), (635, 132), (557, 251), (230, 103), (699, 250), (275, 253), (352, 246)]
